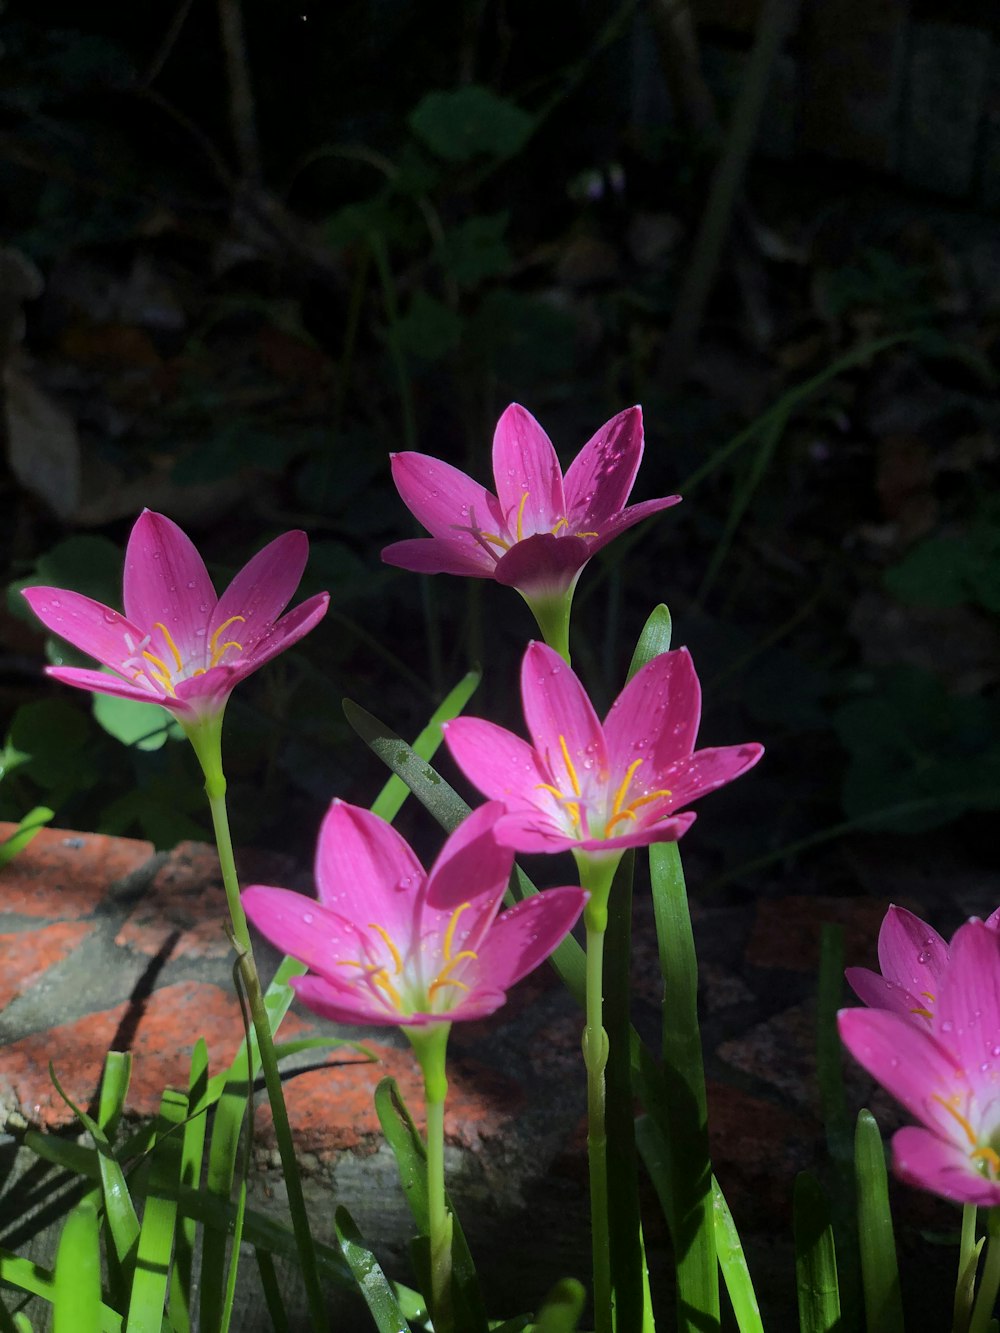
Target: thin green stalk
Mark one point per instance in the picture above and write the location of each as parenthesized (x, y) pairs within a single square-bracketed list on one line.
[(986, 1298), (595, 1057), (430, 1046), (968, 1262)]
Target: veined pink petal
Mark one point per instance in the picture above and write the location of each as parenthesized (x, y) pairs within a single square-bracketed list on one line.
[(642, 834), (628, 518), (660, 706), (86, 624), (340, 1003), (358, 848), (261, 591), (601, 477), (289, 629), (166, 583), (877, 991), (535, 831), (99, 682), (911, 952), (501, 765), (922, 1158), (527, 474), (209, 692), (446, 500), (993, 920), (707, 770), (526, 934), (471, 867), (441, 555), (910, 1064), (560, 717), (543, 565), (302, 927), (967, 1013)]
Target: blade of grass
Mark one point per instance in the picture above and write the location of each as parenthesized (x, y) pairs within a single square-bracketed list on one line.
[(732, 1262), (876, 1242), (76, 1294), (243, 977), (562, 1308), (111, 1103), (372, 1282), (191, 1154), (159, 1216), (815, 1258), (30, 825), (272, 1292), (654, 639)]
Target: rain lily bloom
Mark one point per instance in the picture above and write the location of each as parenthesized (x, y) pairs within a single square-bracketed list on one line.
[(945, 1072), (178, 644), (592, 787), (388, 943), (540, 528), (913, 958)]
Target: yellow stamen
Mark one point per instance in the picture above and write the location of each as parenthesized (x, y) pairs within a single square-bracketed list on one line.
[(170, 644), (622, 814), (569, 766), (924, 1013), (449, 935), (443, 979), (162, 676), (988, 1155), (928, 995), (563, 523), (520, 514), (389, 945), (214, 650), (623, 790), (585, 534), (381, 979), (496, 541), (962, 1120)]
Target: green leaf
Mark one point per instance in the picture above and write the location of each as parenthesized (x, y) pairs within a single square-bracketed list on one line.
[(654, 639), (733, 1264), (879, 1271), (562, 1307), (32, 822), (87, 564), (372, 1282), (76, 1296), (470, 122), (156, 1239), (192, 1151), (272, 1292), (429, 330), (815, 1258), (59, 742), (145, 726), (476, 250)]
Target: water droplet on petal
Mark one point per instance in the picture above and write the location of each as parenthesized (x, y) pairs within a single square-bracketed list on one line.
[(923, 957), (56, 602), (110, 617), (191, 583)]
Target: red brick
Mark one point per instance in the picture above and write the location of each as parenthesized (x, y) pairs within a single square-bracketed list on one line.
[(786, 931), (333, 1108), (25, 955), (64, 875), (171, 1021)]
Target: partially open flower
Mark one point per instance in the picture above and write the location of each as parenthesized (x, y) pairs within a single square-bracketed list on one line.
[(178, 644), (390, 944)]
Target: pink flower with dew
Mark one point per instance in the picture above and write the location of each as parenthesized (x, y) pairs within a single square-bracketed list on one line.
[(592, 786), (178, 644), (540, 529), (945, 1072), (913, 958), (388, 943)]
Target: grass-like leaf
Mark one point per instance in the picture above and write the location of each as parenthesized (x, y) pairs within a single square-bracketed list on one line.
[(272, 1292), (654, 639), (879, 1271), (156, 1238), (76, 1296), (562, 1308), (815, 1258), (733, 1264), (32, 822), (372, 1282), (191, 1153)]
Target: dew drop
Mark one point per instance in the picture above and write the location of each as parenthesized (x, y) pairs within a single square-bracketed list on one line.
[(923, 957), (191, 583), (308, 918), (947, 1025), (110, 618), (56, 602)]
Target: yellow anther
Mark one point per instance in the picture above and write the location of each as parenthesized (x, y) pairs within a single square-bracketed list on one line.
[(495, 540), (585, 534), (520, 515), (162, 676), (396, 958), (170, 643), (563, 523), (622, 814), (213, 648), (622, 791), (569, 766), (380, 979), (924, 1013), (449, 935), (928, 995), (962, 1120), (443, 979)]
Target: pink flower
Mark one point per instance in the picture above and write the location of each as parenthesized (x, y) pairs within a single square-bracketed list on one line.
[(945, 1072), (594, 787), (178, 644), (913, 958), (540, 529), (388, 943)]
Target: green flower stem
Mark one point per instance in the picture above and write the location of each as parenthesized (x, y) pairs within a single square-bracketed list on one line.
[(553, 616), (207, 741), (986, 1297), (596, 875), (430, 1045), (968, 1262)]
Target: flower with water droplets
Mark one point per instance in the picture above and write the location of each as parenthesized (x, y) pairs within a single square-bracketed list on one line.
[(590, 786), (178, 644), (388, 943), (945, 1071), (540, 528)]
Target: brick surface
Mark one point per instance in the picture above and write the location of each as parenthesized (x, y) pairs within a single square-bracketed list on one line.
[(787, 931), (63, 875), (27, 954)]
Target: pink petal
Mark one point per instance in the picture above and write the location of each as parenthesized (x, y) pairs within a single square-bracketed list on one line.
[(543, 565), (600, 478), (910, 1064), (99, 682), (642, 834), (707, 770), (86, 624), (557, 710), (525, 935), (533, 831), (444, 499), (661, 707), (300, 926), (922, 1158), (878, 992), (993, 920), (471, 867), (441, 555), (525, 464), (289, 629), (261, 591), (910, 952), (628, 518), (498, 763), (209, 692), (366, 871), (967, 1014), (345, 1004), (166, 583)]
